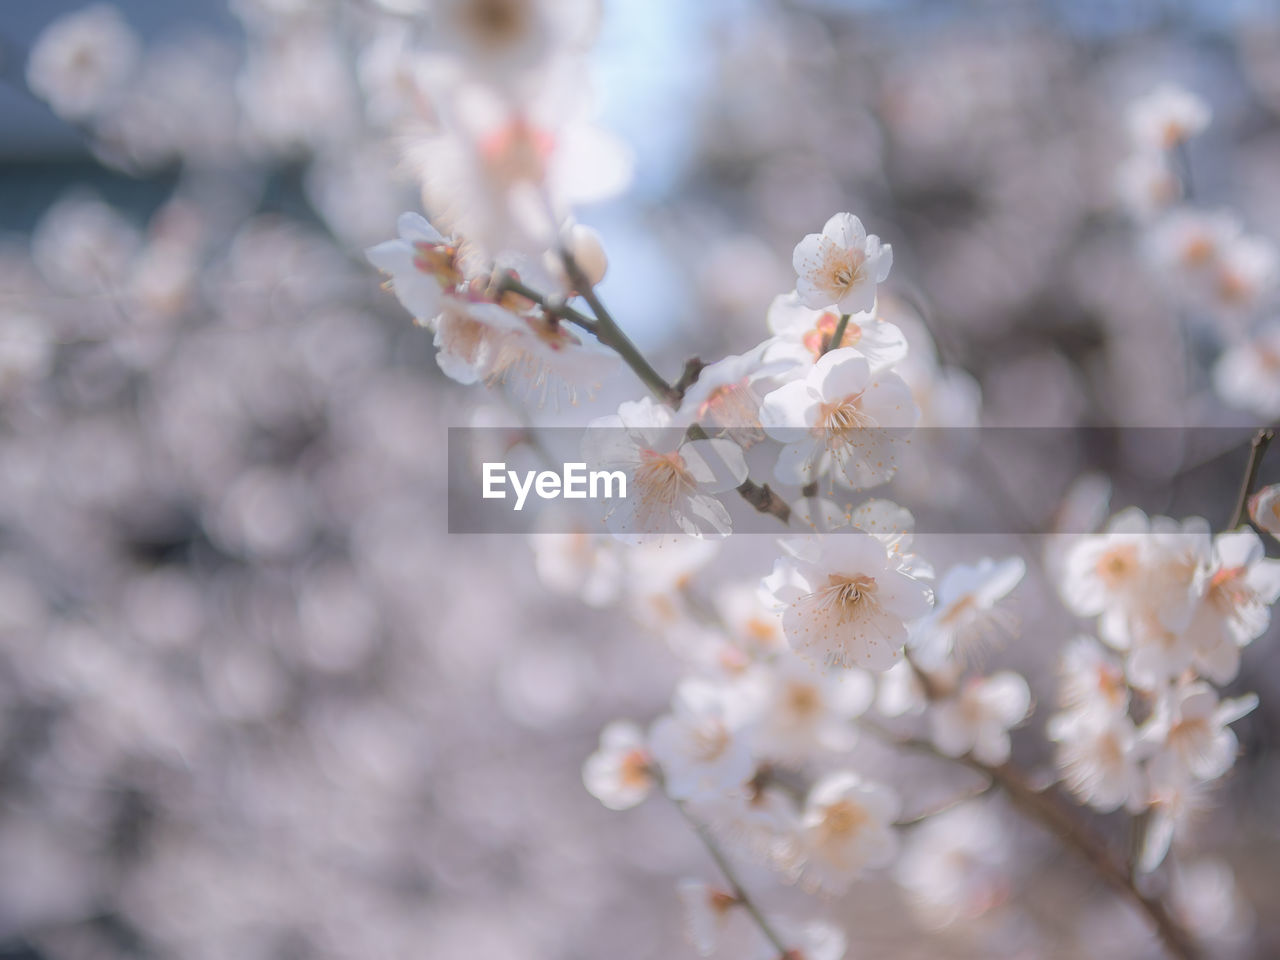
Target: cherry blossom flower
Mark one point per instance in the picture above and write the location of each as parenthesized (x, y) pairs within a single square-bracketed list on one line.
[(841, 418), (846, 827), (620, 773), (81, 61), (900, 691), (1139, 573), (956, 864), (1187, 243), (470, 337), (753, 624), (1205, 895), (505, 41), (761, 820), (1247, 375), (1245, 274), (802, 335), (507, 176), (1099, 758), (706, 910), (422, 266), (586, 247), (977, 719), (845, 600), (1264, 509), (1191, 734), (1157, 655), (966, 617), (1092, 680), (670, 480), (725, 399), (1236, 606), (805, 711), (1175, 804), (813, 940), (701, 745), (1147, 184), (581, 564), (841, 266), (1167, 116)]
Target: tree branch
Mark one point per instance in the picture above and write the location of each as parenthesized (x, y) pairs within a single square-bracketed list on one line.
[(1060, 821), (1257, 450)]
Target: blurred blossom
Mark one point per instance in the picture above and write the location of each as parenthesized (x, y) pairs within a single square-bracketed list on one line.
[(83, 60), (257, 701)]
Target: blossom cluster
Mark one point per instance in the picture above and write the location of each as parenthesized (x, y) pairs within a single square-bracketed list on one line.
[(247, 441), (1221, 276)]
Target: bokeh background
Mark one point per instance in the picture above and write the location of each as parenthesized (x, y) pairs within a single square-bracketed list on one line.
[(256, 702)]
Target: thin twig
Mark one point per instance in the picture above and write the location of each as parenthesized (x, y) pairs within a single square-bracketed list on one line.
[(735, 885), (1257, 450), (610, 334), (945, 807), (607, 331), (510, 283), (693, 368)]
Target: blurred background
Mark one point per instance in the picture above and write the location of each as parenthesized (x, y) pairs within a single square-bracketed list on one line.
[(256, 702)]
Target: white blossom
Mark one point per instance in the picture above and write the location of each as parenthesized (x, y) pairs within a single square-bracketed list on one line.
[(1099, 758), (841, 266), (1093, 682), (422, 266), (1247, 375), (840, 418), (701, 746), (956, 864), (1235, 610), (706, 910), (845, 601), (978, 717), (1190, 733), (81, 61), (620, 773), (726, 399), (1167, 116), (846, 827), (581, 564), (813, 940), (805, 711), (1264, 509), (802, 335), (966, 618), (670, 479)]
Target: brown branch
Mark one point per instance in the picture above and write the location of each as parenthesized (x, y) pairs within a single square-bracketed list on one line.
[(1047, 810), (693, 368), (1257, 450)]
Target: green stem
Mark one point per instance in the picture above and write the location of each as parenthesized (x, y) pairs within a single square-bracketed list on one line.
[(838, 336)]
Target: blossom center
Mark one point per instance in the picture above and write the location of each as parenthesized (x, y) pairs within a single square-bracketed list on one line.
[(841, 417), (1118, 565), (850, 596), (844, 820), (817, 339), (803, 699), (663, 477), (709, 741)]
